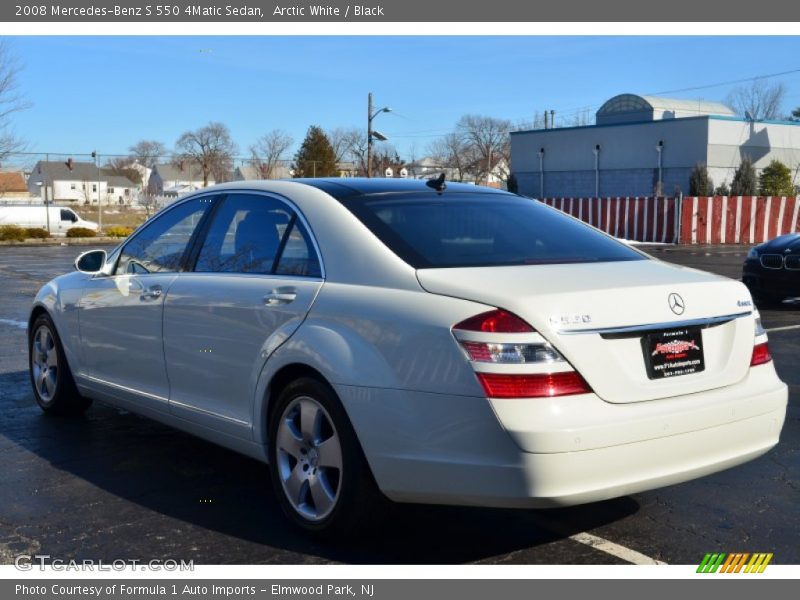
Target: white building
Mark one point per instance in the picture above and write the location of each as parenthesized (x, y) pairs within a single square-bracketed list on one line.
[(639, 142), (173, 180), (82, 182)]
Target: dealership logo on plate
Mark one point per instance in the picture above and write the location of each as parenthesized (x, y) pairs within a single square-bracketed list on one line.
[(676, 304)]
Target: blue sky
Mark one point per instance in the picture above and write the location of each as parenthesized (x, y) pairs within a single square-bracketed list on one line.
[(109, 92)]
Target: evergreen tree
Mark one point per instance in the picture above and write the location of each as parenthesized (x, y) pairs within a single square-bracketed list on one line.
[(316, 157), (512, 185), (699, 183), (776, 180), (744, 180)]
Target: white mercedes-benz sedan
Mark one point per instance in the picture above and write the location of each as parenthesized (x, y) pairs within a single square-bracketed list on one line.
[(412, 340)]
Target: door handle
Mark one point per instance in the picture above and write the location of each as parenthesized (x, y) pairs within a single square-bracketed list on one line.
[(151, 293), (281, 295)]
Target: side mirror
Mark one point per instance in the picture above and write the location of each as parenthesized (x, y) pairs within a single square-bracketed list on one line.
[(91, 262)]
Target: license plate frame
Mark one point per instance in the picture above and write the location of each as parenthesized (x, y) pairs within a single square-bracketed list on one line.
[(674, 352)]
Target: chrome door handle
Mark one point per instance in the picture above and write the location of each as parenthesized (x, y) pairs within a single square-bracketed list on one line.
[(281, 295), (151, 293)]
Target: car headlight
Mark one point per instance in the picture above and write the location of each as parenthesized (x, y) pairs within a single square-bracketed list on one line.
[(753, 253)]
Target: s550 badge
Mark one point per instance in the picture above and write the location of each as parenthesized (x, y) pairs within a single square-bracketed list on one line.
[(573, 319)]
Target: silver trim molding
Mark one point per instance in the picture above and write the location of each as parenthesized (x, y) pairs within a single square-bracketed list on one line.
[(658, 326)]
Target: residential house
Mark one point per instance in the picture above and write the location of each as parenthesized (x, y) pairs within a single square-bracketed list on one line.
[(71, 181), (173, 180)]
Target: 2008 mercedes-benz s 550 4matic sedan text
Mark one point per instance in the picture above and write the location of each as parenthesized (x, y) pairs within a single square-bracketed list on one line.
[(412, 340)]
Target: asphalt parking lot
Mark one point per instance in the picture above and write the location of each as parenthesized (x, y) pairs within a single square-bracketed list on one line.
[(112, 485)]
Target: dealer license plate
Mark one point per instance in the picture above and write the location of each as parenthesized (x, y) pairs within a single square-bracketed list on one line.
[(673, 352)]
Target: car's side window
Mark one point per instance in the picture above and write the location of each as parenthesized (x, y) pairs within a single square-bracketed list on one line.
[(68, 215), (245, 235), (298, 256), (159, 246)]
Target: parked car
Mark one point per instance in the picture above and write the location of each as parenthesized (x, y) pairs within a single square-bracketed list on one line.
[(425, 342), (772, 269), (62, 218)]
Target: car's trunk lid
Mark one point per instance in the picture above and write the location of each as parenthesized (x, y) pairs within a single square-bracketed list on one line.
[(596, 314)]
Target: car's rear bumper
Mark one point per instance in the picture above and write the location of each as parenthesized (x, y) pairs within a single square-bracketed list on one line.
[(518, 460)]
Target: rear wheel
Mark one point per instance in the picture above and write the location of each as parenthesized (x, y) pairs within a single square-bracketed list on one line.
[(318, 470), (53, 385)]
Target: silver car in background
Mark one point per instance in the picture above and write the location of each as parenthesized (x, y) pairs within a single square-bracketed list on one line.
[(415, 341)]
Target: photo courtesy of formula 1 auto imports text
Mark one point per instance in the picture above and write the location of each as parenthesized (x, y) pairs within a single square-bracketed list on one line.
[(327, 301)]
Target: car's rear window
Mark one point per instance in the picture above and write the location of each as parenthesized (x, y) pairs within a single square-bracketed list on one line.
[(463, 230)]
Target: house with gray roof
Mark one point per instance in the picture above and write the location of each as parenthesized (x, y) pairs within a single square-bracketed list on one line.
[(72, 181), (172, 180)]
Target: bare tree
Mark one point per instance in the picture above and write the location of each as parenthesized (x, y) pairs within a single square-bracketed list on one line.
[(122, 166), (489, 140), (340, 140), (210, 148), (267, 151), (147, 152), (354, 141), (454, 153), (758, 99), (10, 102)]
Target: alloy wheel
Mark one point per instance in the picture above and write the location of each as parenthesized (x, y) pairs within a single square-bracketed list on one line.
[(44, 363), (309, 457)]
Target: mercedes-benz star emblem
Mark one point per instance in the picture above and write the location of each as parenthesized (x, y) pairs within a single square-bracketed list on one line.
[(676, 304)]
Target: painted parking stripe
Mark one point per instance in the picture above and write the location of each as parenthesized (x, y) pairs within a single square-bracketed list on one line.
[(784, 328), (626, 554)]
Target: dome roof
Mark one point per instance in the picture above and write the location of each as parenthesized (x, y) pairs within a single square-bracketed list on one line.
[(632, 107)]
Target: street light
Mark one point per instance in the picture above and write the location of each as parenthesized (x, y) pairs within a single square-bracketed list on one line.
[(660, 185), (597, 171), (373, 134)]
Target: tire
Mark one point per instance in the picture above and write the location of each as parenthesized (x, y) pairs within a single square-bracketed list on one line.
[(51, 379), (313, 493)]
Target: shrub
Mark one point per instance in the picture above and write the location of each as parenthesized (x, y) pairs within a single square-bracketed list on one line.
[(723, 190), (119, 231), (776, 180), (78, 232), (699, 183), (744, 180), (37, 233), (10, 233)]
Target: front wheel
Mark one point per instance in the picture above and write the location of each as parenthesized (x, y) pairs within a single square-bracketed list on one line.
[(318, 470), (53, 386)]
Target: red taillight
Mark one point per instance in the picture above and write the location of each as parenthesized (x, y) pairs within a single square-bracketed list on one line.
[(495, 321), (761, 354), (497, 385)]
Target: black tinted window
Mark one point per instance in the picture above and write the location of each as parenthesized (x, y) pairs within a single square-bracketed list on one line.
[(245, 235), (462, 229), (159, 245)]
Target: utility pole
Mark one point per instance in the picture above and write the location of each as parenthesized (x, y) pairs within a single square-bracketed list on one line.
[(96, 158), (46, 203), (373, 134), (369, 134)]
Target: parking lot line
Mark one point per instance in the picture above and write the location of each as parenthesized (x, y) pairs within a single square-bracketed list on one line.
[(784, 328), (604, 545)]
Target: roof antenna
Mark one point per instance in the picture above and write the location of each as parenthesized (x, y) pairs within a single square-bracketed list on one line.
[(438, 184)]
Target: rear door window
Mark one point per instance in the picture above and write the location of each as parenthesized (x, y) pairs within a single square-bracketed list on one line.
[(259, 234)]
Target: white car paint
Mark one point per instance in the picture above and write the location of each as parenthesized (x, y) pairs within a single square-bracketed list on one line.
[(380, 332)]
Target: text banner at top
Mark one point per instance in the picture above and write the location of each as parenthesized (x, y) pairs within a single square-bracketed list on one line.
[(432, 11)]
